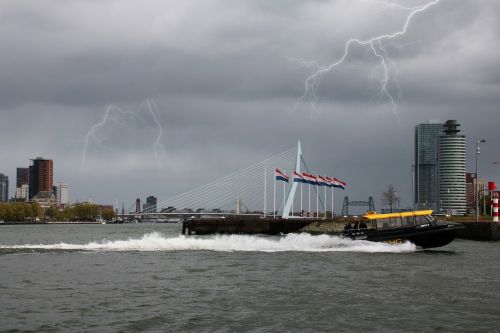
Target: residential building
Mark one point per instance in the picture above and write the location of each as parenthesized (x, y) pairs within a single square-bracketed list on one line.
[(61, 192), (22, 177), (150, 205), (451, 170), (45, 199), (137, 205), (22, 192), (41, 174), (470, 181), (4, 187)]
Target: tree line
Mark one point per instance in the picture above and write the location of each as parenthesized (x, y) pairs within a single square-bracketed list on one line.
[(20, 211), (31, 212)]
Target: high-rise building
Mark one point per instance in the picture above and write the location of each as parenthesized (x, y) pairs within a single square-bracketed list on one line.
[(451, 170), (426, 164), (61, 191), (4, 187), (22, 177), (41, 174), (470, 181), (22, 192), (150, 205), (440, 167), (22, 183)]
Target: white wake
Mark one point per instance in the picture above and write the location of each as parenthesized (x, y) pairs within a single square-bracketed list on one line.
[(156, 241)]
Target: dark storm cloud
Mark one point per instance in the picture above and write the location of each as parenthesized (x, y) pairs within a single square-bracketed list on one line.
[(226, 77)]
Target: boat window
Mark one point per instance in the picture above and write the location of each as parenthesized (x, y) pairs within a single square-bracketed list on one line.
[(421, 220), (408, 221), (392, 222), (430, 219)]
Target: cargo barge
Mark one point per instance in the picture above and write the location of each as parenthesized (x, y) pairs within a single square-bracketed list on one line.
[(243, 225)]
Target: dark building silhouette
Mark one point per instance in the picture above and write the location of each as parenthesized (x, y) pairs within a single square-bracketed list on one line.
[(137, 205), (4, 187), (41, 175), (22, 177), (150, 205)]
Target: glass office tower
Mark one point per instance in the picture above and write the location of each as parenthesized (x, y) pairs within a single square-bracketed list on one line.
[(426, 165)]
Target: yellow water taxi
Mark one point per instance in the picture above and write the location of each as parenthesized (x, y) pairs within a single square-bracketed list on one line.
[(418, 227)]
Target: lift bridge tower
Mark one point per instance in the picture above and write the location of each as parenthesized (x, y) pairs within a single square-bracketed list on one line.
[(345, 207)]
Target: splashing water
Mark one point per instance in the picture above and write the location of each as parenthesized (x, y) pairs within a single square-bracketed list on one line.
[(156, 241)]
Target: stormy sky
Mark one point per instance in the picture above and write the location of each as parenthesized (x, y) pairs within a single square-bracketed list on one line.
[(226, 77)]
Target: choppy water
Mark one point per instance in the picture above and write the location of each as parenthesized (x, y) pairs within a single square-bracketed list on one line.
[(108, 278)]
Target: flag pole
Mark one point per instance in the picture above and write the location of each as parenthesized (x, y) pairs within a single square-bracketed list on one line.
[(274, 195), (265, 189), (292, 202), (284, 191), (309, 197), (332, 202), (325, 202), (317, 201), (301, 210)]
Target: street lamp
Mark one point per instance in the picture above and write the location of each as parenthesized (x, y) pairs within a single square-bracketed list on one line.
[(477, 178)]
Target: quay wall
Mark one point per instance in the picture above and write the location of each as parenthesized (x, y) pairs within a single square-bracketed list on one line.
[(482, 231)]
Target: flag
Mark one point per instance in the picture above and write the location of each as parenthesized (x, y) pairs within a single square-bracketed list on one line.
[(309, 179), (330, 181), (322, 181), (333, 182), (280, 176), (339, 183), (297, 178)]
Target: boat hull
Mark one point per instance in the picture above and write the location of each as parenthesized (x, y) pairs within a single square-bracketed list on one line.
[(422, 236)]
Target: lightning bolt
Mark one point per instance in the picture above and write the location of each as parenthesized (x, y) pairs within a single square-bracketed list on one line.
[(153, 109), (377, 47), (114, 114)]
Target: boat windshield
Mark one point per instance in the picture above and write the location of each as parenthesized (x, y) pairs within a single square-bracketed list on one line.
[(404, 221)]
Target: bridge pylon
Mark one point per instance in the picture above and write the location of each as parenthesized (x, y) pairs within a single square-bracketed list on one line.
[(293, 188)]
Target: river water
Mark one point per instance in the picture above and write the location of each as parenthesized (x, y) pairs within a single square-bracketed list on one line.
[(147, 277)]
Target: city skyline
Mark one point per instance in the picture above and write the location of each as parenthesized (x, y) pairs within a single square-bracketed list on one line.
[(208, 89)]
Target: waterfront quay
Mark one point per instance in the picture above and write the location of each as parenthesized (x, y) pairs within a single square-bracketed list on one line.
[(481, 231)]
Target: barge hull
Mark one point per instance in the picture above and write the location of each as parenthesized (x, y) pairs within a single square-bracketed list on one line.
[(243, 226)]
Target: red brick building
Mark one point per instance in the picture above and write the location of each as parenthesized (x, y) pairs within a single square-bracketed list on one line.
[(41, 172)]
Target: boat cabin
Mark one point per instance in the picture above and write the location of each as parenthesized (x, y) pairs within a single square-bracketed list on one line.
[(399, 220)]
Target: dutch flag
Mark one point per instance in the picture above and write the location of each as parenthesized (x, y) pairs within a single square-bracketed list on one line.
[(331, 182), (280, 176), (322, 181), (339, 183), (309, 179), (297, 178)]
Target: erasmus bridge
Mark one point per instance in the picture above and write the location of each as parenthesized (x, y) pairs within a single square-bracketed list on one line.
[(281, 186)]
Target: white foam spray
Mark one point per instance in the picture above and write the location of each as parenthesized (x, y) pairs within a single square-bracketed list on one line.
[(229, 243)]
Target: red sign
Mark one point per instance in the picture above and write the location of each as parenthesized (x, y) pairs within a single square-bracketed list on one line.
[(491, 186)]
